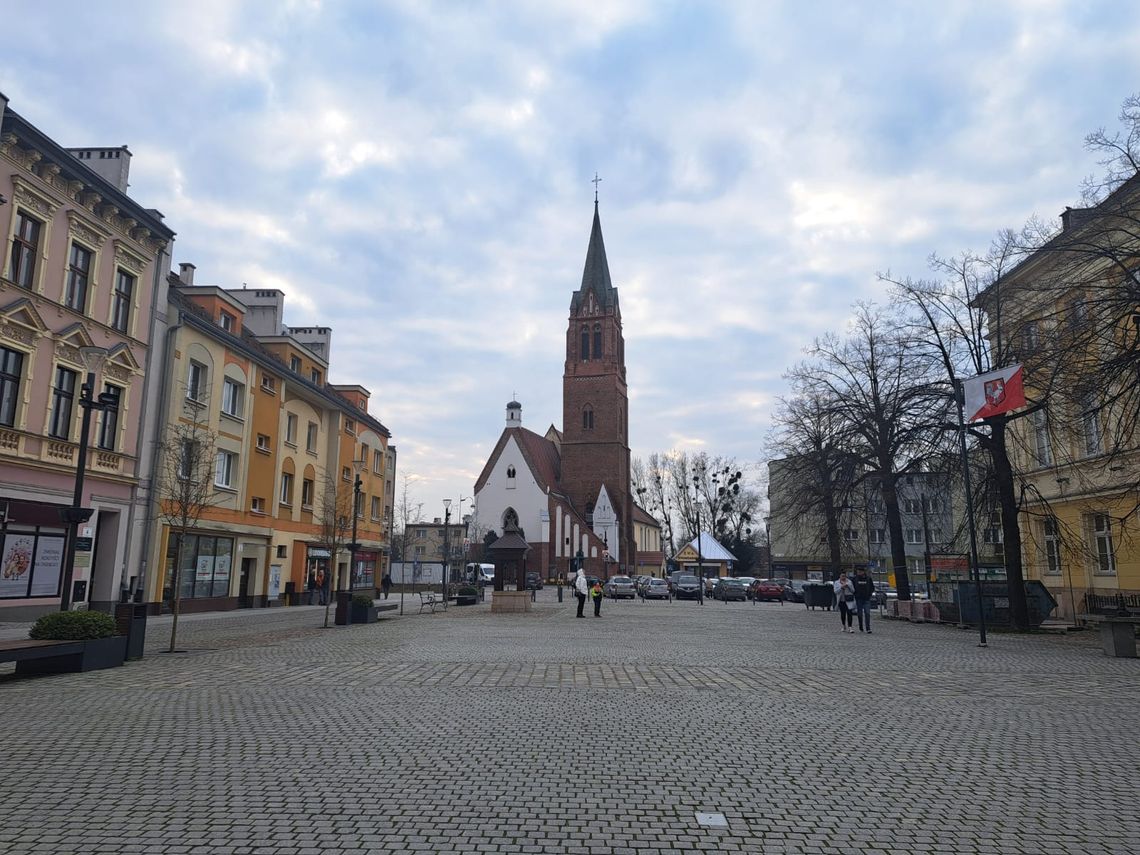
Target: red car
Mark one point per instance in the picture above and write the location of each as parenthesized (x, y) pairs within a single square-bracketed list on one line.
[(766, 590)]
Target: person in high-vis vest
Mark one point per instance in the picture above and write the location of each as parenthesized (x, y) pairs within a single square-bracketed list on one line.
[(596, 593)]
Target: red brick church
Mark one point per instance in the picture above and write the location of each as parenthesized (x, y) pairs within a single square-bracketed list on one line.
[(569, 489)]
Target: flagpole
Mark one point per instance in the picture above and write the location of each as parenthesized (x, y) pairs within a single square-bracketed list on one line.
[(959, 399)]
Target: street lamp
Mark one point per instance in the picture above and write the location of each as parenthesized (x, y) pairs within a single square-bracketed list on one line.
[(700, 555), (446, 523), (93, 358), (357, 468)]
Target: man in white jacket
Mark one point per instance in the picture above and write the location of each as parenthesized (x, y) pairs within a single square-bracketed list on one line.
[(581, 589)]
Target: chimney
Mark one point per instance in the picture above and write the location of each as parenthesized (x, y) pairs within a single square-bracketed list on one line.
[(186, 273), (111, 164), (1071, 218)]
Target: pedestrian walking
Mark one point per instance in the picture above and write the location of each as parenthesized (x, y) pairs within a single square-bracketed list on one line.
[(596, 593), (864, 593), (322, 589), (845, 598), (581, 589), (386, 584), (312, 587)]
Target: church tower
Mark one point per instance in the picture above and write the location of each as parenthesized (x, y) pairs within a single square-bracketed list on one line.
[(595, 403)]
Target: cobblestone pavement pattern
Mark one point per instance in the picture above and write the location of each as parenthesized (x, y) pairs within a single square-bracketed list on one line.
[(471, 732)]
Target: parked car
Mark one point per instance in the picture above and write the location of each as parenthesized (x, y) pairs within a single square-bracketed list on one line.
[(686, 587), (619, 587), (766, 591), (656, 589), (794, 590), (730, 589), (533, 582)]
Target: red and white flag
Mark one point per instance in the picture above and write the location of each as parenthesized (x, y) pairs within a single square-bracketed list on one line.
[(994, 393)]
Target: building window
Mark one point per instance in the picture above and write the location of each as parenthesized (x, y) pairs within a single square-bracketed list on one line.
[(295, 364), (992, 533), (232, 395), (931, 504), (1052, 541), (1078, 313), (584, 344), (269, 384), (876, 535), (914, 535), (1031, 338), (78, 274), (421, 533), (377, 462), (188, 460), (311, 437), (11, 367), (282, 551), (263, 442), (291, 429), (350, 426), (912, 506), (204, 564), (307, 493), (588, 418), (121, 301), (346, 473), (257, 504), (1090, 423), (1043, 449), (316, 376), (286, 488), (375, 507), (1103, 552), (510, 472), (196, 382), (227, 321), (597, 341), (224, 469), (851, 534), (62, 400), (25, 246), (109, 425), (363, 453)]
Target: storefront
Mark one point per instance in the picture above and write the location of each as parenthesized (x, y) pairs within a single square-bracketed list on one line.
[(203, 566), (364, 573), (32, 548)]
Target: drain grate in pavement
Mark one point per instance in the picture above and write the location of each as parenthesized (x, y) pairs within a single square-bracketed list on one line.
[(712, 820)]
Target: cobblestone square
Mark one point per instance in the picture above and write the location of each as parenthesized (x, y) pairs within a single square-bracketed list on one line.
[(465, 731)]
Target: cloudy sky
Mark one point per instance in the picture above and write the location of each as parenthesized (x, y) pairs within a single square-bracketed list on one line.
[(417, 176)]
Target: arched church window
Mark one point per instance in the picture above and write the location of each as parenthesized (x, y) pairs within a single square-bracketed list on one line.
[(584, 349), (510, 519), (597, 341), (588, 418), (510, 472)]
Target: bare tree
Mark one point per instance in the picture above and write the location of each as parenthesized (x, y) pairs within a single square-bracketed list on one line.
[(813, 484), (884, 410), (408, 510), (650, 479), (186, 458), (333, 517)]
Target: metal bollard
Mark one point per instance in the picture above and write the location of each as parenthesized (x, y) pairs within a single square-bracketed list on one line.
[(559, 593)]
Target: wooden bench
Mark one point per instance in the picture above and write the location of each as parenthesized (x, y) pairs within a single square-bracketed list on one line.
[(428, 600), (1117, 633), (33, 656), (24, 649)]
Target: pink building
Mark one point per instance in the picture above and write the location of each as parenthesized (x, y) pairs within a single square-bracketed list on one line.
[(80, 268)]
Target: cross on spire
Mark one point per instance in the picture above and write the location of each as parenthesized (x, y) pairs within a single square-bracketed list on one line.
[(596, 181)]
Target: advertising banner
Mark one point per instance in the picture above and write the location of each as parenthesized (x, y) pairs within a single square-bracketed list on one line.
[(49, 565)]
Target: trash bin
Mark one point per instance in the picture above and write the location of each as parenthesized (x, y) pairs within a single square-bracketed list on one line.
[(291, 594), (819, 594), (995, 598), (343, 608), (131, 620)]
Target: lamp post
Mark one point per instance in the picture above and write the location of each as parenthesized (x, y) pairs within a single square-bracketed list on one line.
[(358, 467), (700, 555), (446, 523), (93, 358)]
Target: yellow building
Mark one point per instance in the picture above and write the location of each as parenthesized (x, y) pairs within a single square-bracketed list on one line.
[(1060, 316), (287, 447)]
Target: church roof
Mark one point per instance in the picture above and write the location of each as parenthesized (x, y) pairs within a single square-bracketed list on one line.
[(540, 455), (596, 273), (643, 516)]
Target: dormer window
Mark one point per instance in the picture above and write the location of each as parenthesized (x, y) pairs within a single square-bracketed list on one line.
[(295, 364), (227, 321)]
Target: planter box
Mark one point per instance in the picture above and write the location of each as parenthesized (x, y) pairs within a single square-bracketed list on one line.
[(466, 600), (365, 614), (95, 655)]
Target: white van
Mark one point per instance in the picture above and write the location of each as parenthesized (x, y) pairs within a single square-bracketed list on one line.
[(481, 574)]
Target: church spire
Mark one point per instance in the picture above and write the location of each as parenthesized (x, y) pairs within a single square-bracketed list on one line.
[(596, 273)]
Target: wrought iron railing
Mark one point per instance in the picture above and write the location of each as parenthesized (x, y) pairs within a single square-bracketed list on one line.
[(1111, 604)]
